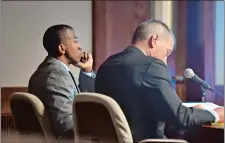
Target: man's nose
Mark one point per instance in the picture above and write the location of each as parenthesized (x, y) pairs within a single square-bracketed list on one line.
[(80, 49)]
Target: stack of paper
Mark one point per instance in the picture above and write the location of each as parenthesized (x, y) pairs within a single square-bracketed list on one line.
[(205, 105)]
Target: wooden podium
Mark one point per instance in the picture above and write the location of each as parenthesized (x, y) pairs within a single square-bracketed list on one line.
[(206, 134), (213, 133)]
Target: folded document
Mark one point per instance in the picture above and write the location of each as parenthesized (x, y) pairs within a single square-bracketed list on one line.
[(205, 105)]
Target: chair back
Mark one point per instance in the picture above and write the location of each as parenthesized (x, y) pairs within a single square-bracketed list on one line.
[(99, 118), (30, 116)]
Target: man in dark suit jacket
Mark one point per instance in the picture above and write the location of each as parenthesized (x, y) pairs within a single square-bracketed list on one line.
[(138, 79), (54, 84)]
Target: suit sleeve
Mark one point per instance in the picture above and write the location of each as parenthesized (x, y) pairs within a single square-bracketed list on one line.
[(86, 82), (165, 103), (60, 101)]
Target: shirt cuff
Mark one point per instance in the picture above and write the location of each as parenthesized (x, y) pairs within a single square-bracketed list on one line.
[(215, 114), (91, 74)]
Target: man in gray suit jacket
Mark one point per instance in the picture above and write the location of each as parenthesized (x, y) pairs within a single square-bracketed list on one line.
[(54, 84)]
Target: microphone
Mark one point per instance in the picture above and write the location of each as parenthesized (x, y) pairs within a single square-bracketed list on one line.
[(189, 73)]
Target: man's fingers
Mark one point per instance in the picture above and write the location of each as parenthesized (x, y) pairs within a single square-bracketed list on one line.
[(89, 56), (199, 106), (85, 56)]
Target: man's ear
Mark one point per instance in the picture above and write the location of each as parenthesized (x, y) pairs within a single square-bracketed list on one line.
[(152, 40), (62, 49)]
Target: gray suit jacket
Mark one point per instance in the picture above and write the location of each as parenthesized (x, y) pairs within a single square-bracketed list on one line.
[(54, 86)]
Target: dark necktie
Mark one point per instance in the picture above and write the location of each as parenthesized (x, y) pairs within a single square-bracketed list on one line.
[(78, 91)]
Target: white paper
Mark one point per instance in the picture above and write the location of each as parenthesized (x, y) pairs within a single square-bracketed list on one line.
[(205, 105)]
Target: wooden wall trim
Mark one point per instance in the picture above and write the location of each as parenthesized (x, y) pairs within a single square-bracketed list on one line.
[(181, 46), (195, 33), (201, 47), (209, 45), (195, 48), (114, 23), (6, 92)]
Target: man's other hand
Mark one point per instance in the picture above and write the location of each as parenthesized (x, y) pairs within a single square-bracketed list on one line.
[(199, 106), (220, 112)]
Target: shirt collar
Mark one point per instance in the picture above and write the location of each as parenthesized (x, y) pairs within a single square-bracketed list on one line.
[(67, 68), (143, 51)]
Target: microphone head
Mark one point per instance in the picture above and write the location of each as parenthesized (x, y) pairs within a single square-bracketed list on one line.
[(189, 73)]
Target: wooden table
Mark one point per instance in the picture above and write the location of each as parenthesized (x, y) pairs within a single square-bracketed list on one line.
[(201, 134), (206, 134)]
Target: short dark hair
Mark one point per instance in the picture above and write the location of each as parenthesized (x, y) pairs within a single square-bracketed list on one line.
[(53, 37), (143, 30)]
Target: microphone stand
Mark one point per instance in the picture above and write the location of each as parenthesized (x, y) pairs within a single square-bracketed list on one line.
[(204, 90)]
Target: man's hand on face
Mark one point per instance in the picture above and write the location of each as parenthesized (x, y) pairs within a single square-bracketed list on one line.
[(86, 62)]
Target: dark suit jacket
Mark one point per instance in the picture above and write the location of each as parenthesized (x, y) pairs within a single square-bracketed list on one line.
[(142, 87), (54, 86)]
